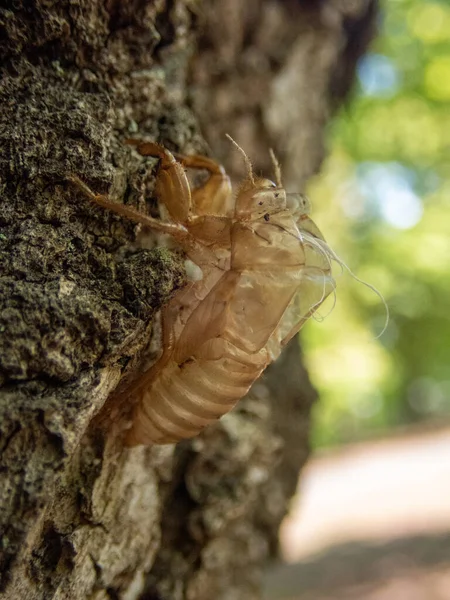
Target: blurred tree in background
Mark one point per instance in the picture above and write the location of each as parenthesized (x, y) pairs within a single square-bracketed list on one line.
[(382, 200)]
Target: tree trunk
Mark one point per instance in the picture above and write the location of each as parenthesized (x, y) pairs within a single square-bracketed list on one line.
[(81, 516)]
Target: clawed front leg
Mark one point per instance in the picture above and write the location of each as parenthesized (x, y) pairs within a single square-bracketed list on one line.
[(172, 185), (214, 197)]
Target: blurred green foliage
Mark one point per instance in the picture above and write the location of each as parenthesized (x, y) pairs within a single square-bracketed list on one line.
[(382, 200)]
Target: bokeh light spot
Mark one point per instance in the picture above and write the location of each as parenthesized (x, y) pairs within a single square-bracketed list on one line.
[(437, 78), (388, 188), (377, 75), (430, 22)]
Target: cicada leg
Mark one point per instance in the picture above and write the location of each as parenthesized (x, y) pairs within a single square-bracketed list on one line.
[(205, 211), (172, 185), (214, 197), (168, 346), (179, 232)]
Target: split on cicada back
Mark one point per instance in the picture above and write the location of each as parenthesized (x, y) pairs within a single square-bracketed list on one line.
[(299, 206)]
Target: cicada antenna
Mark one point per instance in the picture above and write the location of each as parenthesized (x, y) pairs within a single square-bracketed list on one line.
[(248, 164), (276, 167), (330, 255)]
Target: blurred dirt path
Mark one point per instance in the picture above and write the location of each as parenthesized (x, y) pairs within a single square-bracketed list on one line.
[(370, 491), (370, 522)]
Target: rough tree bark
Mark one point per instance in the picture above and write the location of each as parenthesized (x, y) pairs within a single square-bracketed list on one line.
[(80, 515)]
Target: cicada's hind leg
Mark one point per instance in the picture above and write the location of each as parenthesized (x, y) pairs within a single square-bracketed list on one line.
[(138, 433), (168, 317)]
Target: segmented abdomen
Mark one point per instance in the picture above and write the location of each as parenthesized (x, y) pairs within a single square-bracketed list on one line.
[(185, 398)]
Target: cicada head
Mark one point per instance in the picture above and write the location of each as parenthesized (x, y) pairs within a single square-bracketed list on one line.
[(258, 199)]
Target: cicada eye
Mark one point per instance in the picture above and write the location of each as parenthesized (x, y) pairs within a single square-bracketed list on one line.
[(298, 204)]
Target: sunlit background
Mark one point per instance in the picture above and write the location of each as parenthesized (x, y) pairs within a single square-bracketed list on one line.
[(383, 199), (372, 516)]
